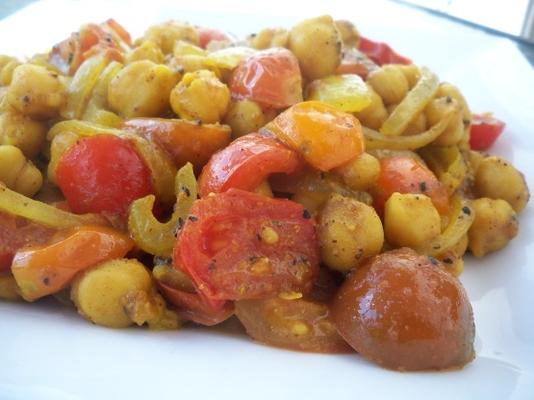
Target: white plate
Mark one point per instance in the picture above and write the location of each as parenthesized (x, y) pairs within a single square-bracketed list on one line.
[(48, 352)]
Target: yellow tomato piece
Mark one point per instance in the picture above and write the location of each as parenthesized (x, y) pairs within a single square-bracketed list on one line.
[(347, 93)]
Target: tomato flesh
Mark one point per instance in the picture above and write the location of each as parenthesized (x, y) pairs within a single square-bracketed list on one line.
[(245, 163), (240, 245), (206, 35), (102, 174), (381, 53), (270, 77), (485, 130)]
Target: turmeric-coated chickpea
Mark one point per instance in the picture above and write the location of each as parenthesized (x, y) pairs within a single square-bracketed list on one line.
[(374, 115), (390, 84), (348, 32), (17, 172), (21, 131), (269, 37), (244, 116), (439, 108), (146, 51), (360, 173), (166, 34), (200, 95)]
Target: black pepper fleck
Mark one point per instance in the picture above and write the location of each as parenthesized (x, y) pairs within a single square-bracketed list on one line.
[(306, 214)]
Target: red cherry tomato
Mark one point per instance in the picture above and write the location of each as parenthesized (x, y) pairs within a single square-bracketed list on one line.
[(245, 163), (206, 35), (270, 77), (240, 245), (407, 175), (381, 53), (485, 129), (102, 174)]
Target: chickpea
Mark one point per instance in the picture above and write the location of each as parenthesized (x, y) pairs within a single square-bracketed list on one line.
[(494, 226), (244, 116), (390, 84), (348, 32), (166, 34), (146, 51), (436, 110), (360, 173), (312, 201), (269, 37), (374, 115), (446, 89), (141, 89), (411, 73), (496, 178), (21, 131), (316, 43), (6, 71), (17, 172), (349, 231), (36, 92), (200, 95), (416, 125), (410, 220)]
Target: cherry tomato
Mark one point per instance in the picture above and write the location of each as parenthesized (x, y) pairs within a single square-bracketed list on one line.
[(245, 163), (407, 175), (485, 129), (402, 311), (239, 245), (206, 35), (102, 173), (270, 77), (381, 53), (324, 136), (294, 324), (43, 270)]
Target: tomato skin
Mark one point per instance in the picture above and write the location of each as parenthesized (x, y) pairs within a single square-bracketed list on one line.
[(222, 246), (485, 129), (206, 35), (381, 53), (294, 324), (407, 175), (403, 311), (43, 270), (270, 77), (323, 135), (102, 174), (245, 163)]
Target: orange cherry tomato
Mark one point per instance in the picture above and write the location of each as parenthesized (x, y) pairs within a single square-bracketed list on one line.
[(102, 174), (206, 35), (245, 163), (324, 136), (43, 270), (185, 141), (270, 77), (403, 311), (293, 324), (407, 175), (240, 245)]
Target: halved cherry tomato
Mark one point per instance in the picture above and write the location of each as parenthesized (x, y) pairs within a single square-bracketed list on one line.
[(485, 129), (240, 245), (323, 135), (270, 77), (294, 324), (43, 270), (102, 174), (245, 163), (407, 175), (206, 35), (381, 53), (185, 141), (119, 30)]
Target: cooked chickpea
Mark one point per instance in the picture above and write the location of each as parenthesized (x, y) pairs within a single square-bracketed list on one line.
[(200, 95), (166, 34), (269, 37), (312, 201), (360, 173), (6, 71), (411, 72), (36, 92), (374, 115), (17, 172), (23, 132), (348, 32), (439, 108), (244, 116), (317, 45), (494, 226), (410, 220), (416, 125), (146, 51), (496, 178), (390, 84), (349, 231), (141, 89), (446, 89)]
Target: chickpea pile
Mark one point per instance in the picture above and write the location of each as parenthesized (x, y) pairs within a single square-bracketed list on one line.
[(413, 194)]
